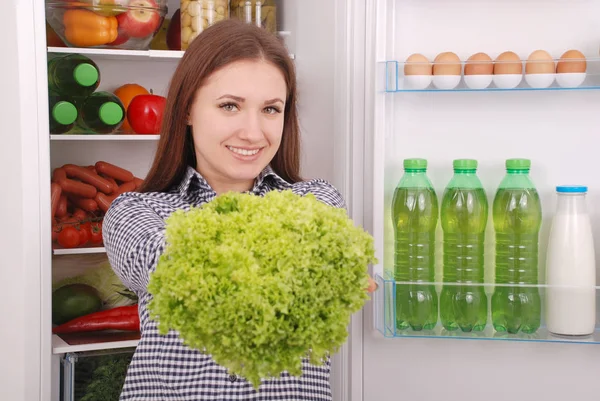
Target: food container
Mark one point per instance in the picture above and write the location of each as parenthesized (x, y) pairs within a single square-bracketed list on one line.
[(197, 15), (119, 24), (261, 13)]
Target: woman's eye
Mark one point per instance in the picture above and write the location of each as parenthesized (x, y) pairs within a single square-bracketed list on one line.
[(229, 106), (272, 110)]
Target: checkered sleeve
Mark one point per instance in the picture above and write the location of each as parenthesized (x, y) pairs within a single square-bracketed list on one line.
[(323, 191), (134, 238)]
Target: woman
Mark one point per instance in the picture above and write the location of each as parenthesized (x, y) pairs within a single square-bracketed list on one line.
[(230, 124)]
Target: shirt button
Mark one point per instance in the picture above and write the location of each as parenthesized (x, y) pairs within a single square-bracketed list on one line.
[(232, 378)]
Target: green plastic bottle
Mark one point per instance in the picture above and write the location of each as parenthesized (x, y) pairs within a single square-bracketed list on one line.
[(73, 75), (101, 113), (415, 216), (517, 217), (464, 218), (63, 114)]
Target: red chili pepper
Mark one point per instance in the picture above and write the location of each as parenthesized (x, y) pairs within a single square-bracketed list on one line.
[(120, 318)]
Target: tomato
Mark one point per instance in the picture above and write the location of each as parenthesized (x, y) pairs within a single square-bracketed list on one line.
[(84, 234), (80, 214), (96, 232), (68, 237), (145, 113)]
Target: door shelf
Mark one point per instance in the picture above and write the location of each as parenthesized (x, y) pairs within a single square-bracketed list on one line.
[(397, 81), (111, 137), (386, 309)]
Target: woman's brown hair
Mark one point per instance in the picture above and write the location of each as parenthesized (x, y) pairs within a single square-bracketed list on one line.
[(221, 44)]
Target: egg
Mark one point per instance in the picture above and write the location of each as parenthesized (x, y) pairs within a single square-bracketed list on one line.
[(540, 62), (479, 64), (508, 63), (572, 61), (446, 63), (417, 64)]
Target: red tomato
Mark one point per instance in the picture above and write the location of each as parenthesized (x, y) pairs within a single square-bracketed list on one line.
[(84, 234), (96, 232), (80, 214), (145, 113), (68, 237)]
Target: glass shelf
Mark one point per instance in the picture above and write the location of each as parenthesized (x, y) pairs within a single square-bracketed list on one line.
[(385, 316), (397, 81)]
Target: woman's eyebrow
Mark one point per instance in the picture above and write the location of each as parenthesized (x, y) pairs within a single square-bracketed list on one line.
[(236, 98), (273, 101)]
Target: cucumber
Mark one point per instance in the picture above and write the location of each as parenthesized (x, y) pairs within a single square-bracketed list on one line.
[(74, 300)]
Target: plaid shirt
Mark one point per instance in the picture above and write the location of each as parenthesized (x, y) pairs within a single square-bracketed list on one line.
[(162, 367)]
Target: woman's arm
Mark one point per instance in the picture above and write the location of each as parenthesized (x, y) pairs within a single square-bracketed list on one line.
[(134, 238)]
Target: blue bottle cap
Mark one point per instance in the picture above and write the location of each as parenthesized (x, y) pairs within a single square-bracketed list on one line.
[(571, 189)]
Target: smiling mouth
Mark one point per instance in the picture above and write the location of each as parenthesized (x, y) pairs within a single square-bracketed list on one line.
[(244, 152)]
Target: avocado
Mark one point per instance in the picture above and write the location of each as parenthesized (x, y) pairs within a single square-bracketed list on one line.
[(74, 300)]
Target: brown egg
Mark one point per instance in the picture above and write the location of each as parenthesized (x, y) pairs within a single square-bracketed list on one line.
[(417, 64), (479, 64), (508, 63), (446, 63), (571, 61), (540, 62)]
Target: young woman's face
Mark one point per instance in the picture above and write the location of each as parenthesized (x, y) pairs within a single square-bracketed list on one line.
[(237, 123)]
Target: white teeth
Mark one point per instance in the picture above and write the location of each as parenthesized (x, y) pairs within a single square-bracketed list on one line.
[(243, 152)]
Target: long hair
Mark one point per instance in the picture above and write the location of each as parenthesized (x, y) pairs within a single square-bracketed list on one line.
[(221, 44)]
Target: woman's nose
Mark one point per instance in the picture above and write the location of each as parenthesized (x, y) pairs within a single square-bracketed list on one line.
[(252, 130)]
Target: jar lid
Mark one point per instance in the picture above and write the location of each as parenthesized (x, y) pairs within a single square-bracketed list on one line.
[(571, 189), (464, 164), (518, 164)]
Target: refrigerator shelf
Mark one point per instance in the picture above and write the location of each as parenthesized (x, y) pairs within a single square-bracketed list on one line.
[(397, 81), (385, 312), (111, 137), (78, 251), (81, 342)]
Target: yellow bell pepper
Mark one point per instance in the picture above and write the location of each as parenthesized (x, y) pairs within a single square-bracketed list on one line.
[(84, 28)]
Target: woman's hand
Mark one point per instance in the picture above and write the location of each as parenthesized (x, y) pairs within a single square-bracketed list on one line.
[(372, 285)]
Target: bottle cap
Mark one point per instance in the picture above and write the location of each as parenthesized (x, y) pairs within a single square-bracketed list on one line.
[(465, 164), (571, 189), (415, 164), (110, 113), (64, 113), (518, 164), (86, 74)]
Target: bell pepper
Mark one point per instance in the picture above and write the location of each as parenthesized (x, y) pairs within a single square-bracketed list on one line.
[(120, 318), (84, 28)]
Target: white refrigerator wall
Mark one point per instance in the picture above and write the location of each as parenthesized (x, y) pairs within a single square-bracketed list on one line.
[(555, 129)]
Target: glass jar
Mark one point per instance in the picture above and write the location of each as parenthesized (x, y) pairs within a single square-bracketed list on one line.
[(261, 13), (197, 15)]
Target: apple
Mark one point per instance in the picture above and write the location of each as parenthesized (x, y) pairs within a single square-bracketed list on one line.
[(145, 113), (122, 37), (174, 32), (141, 20)]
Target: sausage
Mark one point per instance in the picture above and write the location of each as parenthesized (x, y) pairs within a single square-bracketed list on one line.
[(126, 187), (77, 188), (138, 182), (92, 168), (89, 177), (87, 204), (59, 174), (112, 182), (104, 201), (61, 209), (55, 192), (113, 171)]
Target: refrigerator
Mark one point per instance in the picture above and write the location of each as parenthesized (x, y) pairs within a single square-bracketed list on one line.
[(359, 120)]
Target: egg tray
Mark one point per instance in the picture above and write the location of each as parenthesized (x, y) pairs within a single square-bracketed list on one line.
[(472, 75)]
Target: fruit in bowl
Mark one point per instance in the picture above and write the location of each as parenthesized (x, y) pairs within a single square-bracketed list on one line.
[(122, 24)]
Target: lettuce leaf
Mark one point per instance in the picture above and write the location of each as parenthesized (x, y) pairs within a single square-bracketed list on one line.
[(260, 283)]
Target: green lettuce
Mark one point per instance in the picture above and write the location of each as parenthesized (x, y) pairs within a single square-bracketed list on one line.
[(261, 282)]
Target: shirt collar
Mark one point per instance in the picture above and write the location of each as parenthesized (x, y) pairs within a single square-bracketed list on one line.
[(193, 182)]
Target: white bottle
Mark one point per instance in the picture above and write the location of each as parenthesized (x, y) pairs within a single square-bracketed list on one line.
[(571, 266)]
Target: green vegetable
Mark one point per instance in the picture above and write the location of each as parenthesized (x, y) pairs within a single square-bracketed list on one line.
[(97, 273), (261, 282), (101, 378), (74, 300)]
